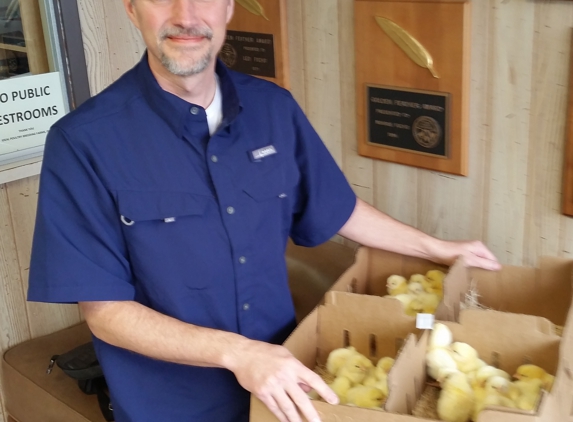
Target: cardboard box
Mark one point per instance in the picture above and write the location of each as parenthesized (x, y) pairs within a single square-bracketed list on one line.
[(529, 302)]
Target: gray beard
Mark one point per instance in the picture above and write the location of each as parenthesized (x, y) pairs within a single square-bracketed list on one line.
[(175, 68)]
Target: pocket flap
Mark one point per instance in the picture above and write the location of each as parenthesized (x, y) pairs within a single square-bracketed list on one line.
[(140, 206), (274, 183)]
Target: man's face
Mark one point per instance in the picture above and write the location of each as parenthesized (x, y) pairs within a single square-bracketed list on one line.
[(183, 35)]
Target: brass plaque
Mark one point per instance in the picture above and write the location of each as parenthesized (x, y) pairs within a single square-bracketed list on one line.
[(409, 120), (249, 52)]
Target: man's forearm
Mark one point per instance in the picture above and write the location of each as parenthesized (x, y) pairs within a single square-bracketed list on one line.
[(135, 327), (370, 227)]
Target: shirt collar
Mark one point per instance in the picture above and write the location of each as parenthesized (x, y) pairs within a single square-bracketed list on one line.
[(175, 110)]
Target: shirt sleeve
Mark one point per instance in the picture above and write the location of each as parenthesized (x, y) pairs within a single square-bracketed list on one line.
[(78, 250), (326, 198)]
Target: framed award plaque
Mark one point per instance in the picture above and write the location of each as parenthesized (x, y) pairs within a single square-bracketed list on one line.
[(257, 41), (412, 75)]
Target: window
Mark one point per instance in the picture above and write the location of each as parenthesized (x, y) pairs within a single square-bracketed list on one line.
[(42, 76)]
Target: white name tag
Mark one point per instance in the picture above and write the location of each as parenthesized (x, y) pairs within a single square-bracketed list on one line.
[(263, 152)]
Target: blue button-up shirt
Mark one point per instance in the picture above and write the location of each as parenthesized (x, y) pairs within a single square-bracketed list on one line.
[(138, 202)]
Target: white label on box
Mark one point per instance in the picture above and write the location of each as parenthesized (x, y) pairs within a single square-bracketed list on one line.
[(424, 321), (28, 107)]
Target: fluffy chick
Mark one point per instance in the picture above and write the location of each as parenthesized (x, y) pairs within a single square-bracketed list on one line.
[(466, 356), (529, 371), (368, 397), (417, 278), (425, 303), (456, 401), (340, 386), (415, 288), (486, 372), (440, 337), (386, 363), (355, 368), (435, 282), (396, 285), (337, 357), (529, 393), (438, 360)]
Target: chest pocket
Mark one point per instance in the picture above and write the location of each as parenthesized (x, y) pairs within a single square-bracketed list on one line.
[(279, 182), (139, 206)]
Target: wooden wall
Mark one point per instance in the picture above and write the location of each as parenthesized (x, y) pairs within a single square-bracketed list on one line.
[(510, 200)]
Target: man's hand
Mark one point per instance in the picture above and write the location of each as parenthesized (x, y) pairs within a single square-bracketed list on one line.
[(474, 253), (279, 380)]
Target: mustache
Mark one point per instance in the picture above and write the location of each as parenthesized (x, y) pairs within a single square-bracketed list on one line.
[(193, 31)]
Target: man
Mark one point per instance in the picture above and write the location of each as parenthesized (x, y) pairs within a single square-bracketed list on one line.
[(165, 205)]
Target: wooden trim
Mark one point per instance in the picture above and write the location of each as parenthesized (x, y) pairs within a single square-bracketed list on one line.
[(72, 47), (34, 36), (13, 47), (20, 170), (568, 162)]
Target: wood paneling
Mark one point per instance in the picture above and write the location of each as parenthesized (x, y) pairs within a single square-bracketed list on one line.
[(510, 199)]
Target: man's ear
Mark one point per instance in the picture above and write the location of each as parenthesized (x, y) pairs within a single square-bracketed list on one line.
[(131, 12), (230, 10)]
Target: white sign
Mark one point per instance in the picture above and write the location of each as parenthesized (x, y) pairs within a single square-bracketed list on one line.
[(28, 107)]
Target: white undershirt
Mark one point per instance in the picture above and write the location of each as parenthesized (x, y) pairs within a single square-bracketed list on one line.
[(215, 110)]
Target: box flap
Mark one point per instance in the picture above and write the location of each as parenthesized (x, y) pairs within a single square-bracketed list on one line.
[(546, 291), (456, 285)]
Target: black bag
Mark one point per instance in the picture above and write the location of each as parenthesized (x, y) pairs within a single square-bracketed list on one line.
[(81, 364)]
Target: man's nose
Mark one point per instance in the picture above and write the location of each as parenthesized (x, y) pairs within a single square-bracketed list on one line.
[(185, 13)]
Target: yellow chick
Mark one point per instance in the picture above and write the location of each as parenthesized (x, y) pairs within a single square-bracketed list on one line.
[(417, 278), (355, 368), (456, 401), (396, 285), (425, 303), (415, 288), (337, 357), (437, 360), (386, 363), (444, 373), (486, 372), (378, 376), (368, 397), (440, 337), (374, 375), (435, 282), (529, 393), (340, 386), (466, 356), (529, 371)]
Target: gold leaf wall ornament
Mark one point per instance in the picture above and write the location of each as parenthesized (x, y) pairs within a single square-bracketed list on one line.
[(408, 43), (254, 7)]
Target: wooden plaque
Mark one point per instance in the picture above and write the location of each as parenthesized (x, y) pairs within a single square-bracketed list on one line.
[(568, 162), (257, 41), (412, 82)]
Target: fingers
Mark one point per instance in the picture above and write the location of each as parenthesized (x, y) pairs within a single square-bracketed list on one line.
[(480, 256), (313, 380), (304, 404)]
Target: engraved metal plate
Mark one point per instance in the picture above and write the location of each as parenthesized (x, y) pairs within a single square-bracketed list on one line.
[(249, 52), (407, 119)]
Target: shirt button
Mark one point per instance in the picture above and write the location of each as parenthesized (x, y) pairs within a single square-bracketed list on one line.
[(246, 307), (194, 110), (230, 210), (283, 195), (214, 158), (242, 260)]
